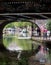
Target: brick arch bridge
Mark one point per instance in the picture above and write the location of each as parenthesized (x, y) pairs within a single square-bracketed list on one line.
[(38, 19), (5, 19)]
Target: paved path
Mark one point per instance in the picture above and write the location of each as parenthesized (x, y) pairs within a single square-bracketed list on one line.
[(42, 38)]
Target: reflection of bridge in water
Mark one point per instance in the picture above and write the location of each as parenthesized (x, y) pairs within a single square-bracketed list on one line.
[(40, 39), (38, 58)]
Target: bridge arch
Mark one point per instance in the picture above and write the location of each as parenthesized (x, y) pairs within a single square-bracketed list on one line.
[(7, 22)]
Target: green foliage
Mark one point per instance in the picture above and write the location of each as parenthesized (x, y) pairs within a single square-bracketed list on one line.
[(22, 24), (17, 24), (48, 25), (34, 25), (10, 25), (23, 61)]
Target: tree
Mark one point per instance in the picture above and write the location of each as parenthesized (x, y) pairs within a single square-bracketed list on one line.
[(10, 25), (48, 25)]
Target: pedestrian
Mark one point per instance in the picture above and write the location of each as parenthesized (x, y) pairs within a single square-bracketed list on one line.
[(45, 33), (38, 31)]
